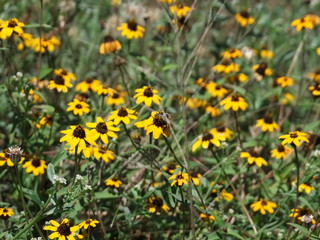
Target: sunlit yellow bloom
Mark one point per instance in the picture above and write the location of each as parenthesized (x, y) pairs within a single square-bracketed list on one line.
[(35, 165), (131, 30), (284, 81), (5, 213), (147, 95), (62, 231), (309, 21), (156, 205), (235, 102), (116, 3), (294, 138), (224, 133), (27, 41), (241, 77), (303, 215), (89, 223), (315, 90), (318, 51), (60, 84), (45, 44), (179, 179), (267, 124), (122, 115), (157, 124), (207, 217), (261, 70), (4, 159), (315, 76), (65, 74), (109, 45), (287, 98), (281, 152), (226, 66), (305, 187), (265, 53), (213, 111), (103, 153), (216, 90), (232, 53), (263, 206), (226, 196), (78, 107), (9, 27), (208, 139), (78, 136), (244, 19), (180, 10), (103, 130), (195, 178), (253, 157), (89, 84), (114, 182), (116, 97), (170, 167), (45, 120)]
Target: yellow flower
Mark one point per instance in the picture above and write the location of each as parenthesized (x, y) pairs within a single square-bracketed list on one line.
[(116, 97), (60, 83), (213, 111), (207, 217), (261, 70), (315, 90), (35, 165), (103, 130), (226, 67), (113, 182), (224, 133), (170, 167), (156, 205), (309, 21), (235, 102), (305, 187), (194, 103), (267, 124), (281, 152), (253, 157), (45, 44), (232, 53), (147, 95), (4, 159), (294, 138), (288, 97), (78, 136), (263, 206), (318, 51), (9, 27), (195, 178), (103, 153), (216, 90), (103, 89), (180, 10), (284, 81), (78, 107), (244, 19), (157, 124), (241, 77), (303, 215), (27, 41), (89, 223), (109, 45), (179, 179), (45, 120), (62, 230), (315, 76), (226, 196), (5, 213), (131, 30), (208, 140), (65, 74), (122, 115), (89, 84), (265, 53)]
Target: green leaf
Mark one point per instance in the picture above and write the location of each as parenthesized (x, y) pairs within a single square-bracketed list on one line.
[(105, 195), (302, 229), (32, 195), (213, 236), (169, 67), (233, 233), (306, 203), (37, 25), (44, 72), (51, 172)]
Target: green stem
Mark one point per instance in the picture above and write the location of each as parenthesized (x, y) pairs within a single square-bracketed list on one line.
[(183, 213), (173, 153), (237, 128)]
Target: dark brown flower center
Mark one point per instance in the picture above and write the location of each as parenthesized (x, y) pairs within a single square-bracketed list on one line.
[(64, 229), (148, 92), (235, 98), (122, 112), (280, 148), (157, 202), (268, 119), (79, 106), (225, 62), (58, 80), (254, 154), (5, 210), (102, 127), (79, 132), (64, 72), (108, 38), (180, 176), (115, 179), (159, 121), (36, 162), (115, 95), (218, 87), (244, 14), (89, 80), (293, 135), (262, 68), (207, 136), (221, 129), (264, 203), (132, 25), (12, 23)]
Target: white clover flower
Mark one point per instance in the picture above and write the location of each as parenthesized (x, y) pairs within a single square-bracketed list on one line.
[(315, 153), (87, 187), (19, 74), (78, 177), (59, 179)]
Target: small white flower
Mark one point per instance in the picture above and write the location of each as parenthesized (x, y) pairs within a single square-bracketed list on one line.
[(231, 211), (307, 218), (316, 153), (59, 179), (280, 234), (78, 177), (87, 187), (19, 74)]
